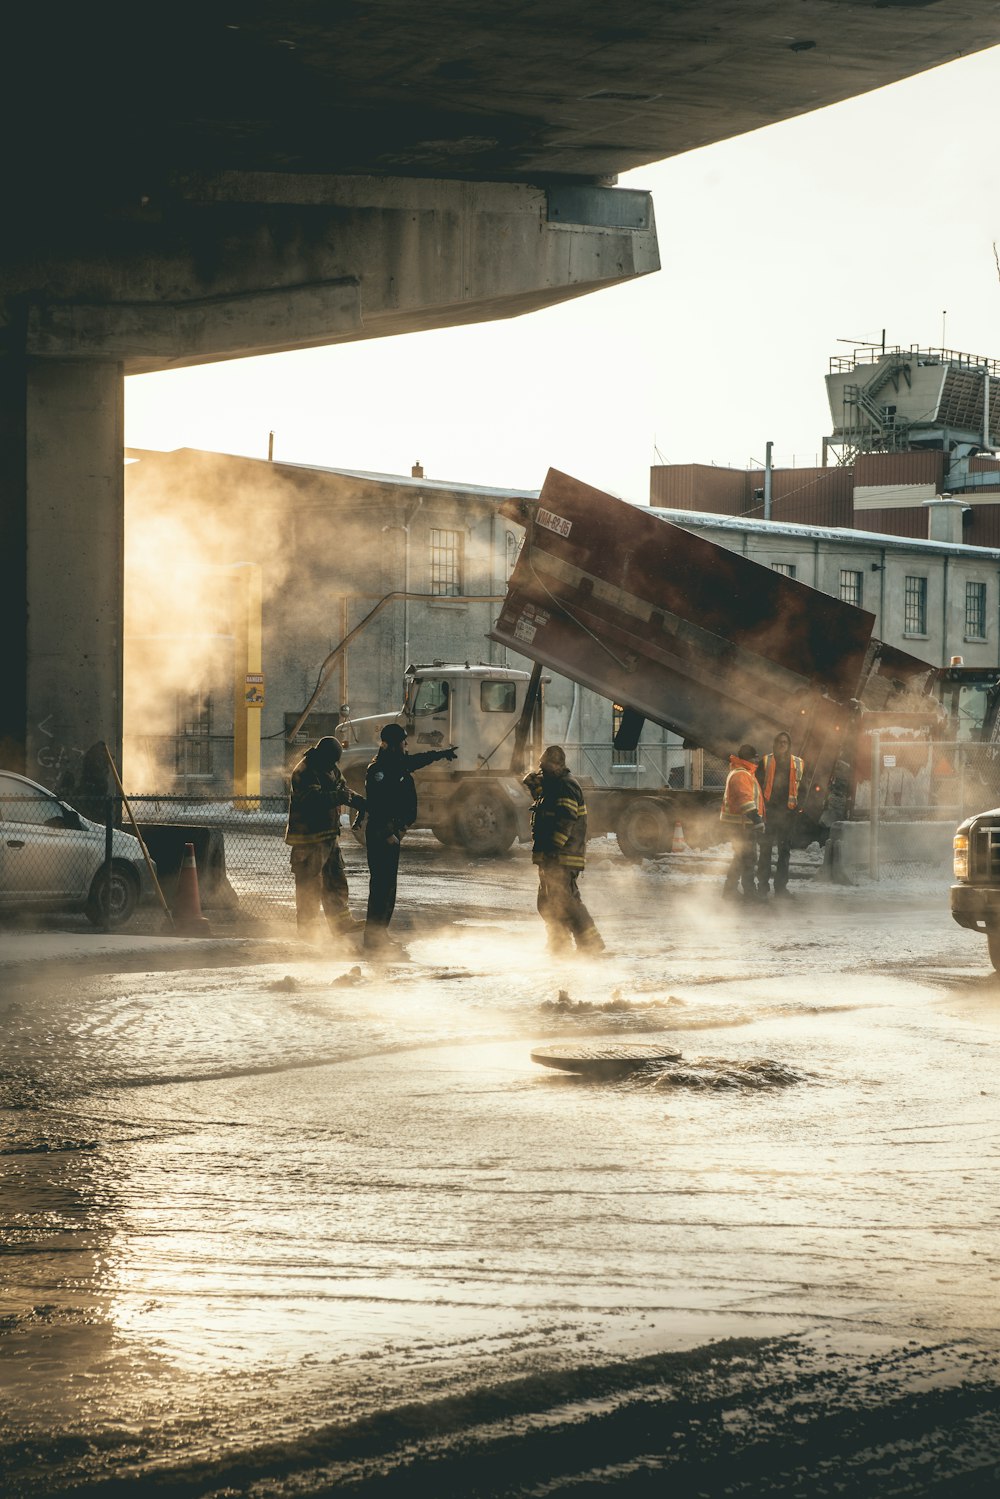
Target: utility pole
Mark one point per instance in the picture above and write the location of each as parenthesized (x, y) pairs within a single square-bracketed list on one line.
[(767, 481)]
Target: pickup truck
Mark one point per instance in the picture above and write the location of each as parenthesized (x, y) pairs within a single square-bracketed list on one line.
[(975, 895)]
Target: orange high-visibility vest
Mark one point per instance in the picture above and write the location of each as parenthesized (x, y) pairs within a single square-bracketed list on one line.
[(794, 777), (742, 794)]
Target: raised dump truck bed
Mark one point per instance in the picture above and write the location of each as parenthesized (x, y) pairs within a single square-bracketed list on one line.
[(695, 637)]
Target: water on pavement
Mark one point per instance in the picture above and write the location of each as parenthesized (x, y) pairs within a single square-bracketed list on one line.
[(282, 1227)]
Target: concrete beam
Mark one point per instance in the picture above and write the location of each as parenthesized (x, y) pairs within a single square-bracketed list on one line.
[(254, 264)]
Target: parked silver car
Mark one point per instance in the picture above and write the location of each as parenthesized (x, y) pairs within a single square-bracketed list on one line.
[(53, 858)]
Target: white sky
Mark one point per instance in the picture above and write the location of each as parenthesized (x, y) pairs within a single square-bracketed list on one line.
[(880, 213)]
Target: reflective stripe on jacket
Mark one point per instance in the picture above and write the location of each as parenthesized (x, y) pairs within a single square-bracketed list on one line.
[(558, 819), (767, 766), (742, 794)]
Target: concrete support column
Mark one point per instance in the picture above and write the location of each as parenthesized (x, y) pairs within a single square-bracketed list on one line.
[(74, 525), (13, 582)]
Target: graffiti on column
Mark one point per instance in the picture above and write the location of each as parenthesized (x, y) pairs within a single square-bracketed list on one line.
[(57, 758)]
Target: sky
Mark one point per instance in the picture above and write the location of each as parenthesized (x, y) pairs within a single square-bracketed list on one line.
[(779, 249)]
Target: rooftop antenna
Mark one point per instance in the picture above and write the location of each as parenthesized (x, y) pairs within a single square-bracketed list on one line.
[(944, 316)]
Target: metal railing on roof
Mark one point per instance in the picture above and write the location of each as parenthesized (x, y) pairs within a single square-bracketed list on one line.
[(843, 363)]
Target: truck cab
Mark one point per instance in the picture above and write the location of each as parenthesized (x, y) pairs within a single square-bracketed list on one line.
[(970, 695), (475, 707), (476, 802)]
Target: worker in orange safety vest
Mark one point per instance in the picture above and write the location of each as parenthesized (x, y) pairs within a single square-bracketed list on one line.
[(780, 776), (743, 817)]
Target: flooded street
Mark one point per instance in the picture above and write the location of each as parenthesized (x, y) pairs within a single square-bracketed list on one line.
[(304, 1224)]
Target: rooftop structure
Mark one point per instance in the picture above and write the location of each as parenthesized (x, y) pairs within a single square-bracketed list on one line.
[(900, 400)]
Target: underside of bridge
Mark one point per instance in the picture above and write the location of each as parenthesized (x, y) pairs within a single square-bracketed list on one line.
[(204, 182)]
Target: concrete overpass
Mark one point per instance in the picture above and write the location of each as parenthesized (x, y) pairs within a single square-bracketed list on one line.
[(192, 183)]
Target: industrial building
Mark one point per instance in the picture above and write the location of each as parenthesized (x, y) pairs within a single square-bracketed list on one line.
[(908, 425), (224, 553)]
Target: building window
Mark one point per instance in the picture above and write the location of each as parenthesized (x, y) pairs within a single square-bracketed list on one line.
[(915, 607), (620, 757), (446, 563), (787, 569), (975, 611), (194, 734), (850, 586)]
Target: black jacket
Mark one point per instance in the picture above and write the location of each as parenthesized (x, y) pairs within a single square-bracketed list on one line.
[(558, 819), (314, 803), (390, 794)]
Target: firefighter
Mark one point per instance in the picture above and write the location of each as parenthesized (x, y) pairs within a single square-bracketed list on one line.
[(780, 776), (743, 814), (391, 799), (317, 793), (558, 849)]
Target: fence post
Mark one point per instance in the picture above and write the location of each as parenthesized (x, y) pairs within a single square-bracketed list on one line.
[(109, 827), (874, 807)]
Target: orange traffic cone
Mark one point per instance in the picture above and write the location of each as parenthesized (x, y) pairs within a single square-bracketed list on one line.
[(188, 920), (678, 846)]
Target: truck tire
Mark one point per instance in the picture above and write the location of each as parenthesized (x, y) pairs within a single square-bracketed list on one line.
[(993, 944), (645, 828), (484, 823), (444, 832)]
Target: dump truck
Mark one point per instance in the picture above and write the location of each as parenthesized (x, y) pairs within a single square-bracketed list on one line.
[(699, 639), (495, 715), (680, 632)]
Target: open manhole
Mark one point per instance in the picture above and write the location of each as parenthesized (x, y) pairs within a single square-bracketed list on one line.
[(604, 1058)]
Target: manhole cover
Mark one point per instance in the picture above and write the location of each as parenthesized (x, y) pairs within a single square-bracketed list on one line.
[(604, 1056)]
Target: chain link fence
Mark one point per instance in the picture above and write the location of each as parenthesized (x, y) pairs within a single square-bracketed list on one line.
[(83, 863), (59, 864)]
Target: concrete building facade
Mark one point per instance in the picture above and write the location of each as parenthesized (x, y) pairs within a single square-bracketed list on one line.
[(334, 547), (934, 597), (331, 546)]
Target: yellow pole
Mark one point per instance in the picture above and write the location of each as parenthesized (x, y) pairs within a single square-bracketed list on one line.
[(248, 683)]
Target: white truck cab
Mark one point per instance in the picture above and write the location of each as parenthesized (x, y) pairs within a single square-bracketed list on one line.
[(476, 802)]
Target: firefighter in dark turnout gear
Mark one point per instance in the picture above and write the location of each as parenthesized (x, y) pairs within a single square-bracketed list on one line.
[(780, 776), (742, 816), (317, 793), (558, 849), (391, 799)]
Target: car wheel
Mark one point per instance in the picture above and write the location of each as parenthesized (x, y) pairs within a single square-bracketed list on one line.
[(115, 899), (484, 823)]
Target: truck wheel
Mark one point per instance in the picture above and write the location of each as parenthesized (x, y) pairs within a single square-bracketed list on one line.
[(484, 823), (993, 943), (645, 829)]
